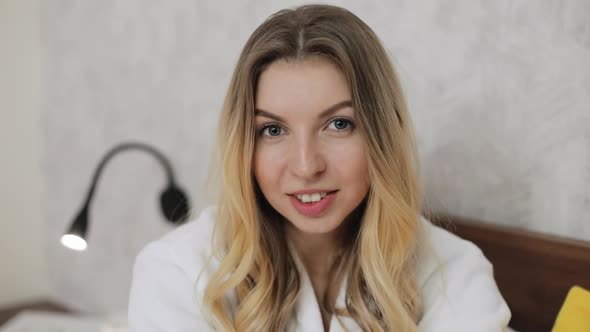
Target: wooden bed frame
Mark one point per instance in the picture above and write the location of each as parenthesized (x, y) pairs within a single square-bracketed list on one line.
[(533, 271)]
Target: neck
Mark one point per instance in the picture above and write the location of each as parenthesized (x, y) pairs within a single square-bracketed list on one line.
[(316, 251)]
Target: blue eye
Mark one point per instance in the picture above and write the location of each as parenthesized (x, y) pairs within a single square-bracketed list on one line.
[(340, 124), (271, 130)]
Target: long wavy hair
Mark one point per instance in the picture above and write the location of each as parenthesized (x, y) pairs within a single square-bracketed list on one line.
[(379, 258)]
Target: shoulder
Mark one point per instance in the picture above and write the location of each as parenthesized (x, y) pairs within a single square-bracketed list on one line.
[(188, 246), (166, 288), (188, 241), (438, 248), (457, 283)]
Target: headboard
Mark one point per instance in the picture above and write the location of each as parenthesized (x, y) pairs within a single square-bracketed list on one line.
[(533, 271)]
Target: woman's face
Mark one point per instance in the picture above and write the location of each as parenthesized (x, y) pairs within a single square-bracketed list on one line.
[(310, 160)]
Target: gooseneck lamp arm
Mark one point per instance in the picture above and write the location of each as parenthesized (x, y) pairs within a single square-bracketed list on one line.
[(173, 201)]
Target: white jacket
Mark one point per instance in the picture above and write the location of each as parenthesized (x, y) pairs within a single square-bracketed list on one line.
[(458, 288)]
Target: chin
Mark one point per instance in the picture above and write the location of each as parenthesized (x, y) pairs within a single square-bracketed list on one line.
[(321, 225)]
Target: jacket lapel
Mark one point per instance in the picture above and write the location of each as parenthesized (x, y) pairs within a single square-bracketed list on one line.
[(307, 310), (343, 323)]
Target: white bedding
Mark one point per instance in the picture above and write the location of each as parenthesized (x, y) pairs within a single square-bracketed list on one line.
[(43, 321)]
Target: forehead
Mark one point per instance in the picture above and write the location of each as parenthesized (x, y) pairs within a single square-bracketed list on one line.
[(311, 84)]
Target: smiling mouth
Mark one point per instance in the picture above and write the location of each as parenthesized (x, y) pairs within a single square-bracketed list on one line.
[(313, 205)]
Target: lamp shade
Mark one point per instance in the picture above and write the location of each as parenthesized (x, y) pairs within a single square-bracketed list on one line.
[(75, 237)]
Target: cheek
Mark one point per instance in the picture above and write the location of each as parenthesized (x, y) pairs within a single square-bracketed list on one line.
[(267, 166), (351, 161)]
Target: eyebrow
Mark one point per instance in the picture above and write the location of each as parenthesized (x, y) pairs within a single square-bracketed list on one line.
[(328, 111)]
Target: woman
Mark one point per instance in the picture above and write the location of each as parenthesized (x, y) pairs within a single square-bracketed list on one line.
[(318, 226)]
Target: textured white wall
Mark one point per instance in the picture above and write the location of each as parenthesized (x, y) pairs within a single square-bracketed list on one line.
[(23, 268), (498, 91)]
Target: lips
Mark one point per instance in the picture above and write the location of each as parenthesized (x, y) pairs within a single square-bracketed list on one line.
[(313, 209)]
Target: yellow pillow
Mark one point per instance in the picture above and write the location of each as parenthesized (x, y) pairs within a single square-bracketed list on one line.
[(574, 315)]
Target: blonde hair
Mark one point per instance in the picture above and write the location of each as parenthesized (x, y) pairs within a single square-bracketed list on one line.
[(380, 259)]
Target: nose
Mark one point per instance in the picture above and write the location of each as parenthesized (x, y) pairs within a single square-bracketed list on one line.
[(306, 159)]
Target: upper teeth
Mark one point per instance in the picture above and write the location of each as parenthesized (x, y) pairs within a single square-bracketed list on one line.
[(315, 197)]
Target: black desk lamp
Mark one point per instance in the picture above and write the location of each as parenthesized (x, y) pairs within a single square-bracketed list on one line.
[(173, 200)]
